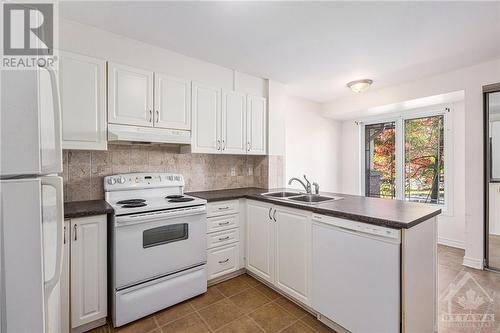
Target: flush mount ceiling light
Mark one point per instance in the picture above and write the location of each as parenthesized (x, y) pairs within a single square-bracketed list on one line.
[(360, 86)]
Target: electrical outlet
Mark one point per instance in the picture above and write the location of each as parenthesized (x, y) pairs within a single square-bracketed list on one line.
[(233, 171), (250, 171)]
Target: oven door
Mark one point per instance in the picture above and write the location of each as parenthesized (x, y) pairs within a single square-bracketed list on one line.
[(151, 245)]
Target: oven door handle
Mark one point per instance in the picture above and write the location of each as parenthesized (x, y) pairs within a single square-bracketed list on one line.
[(123, 221)]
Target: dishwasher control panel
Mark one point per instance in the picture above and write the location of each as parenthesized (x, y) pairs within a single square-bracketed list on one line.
[(360, 227)]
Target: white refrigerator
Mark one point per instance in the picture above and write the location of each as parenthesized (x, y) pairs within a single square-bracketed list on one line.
[(31, 202)]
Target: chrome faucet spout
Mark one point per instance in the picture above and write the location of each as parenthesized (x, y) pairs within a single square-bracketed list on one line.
[(306, 187)]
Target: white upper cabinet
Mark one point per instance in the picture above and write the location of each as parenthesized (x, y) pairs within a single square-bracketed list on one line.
[(228, 123), (130, 99), (256, 125), (172, 102), (233, 123), (83, 101), (206, 110)]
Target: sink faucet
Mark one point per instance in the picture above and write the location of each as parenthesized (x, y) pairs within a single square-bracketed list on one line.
[(316, 188), (306, 187)]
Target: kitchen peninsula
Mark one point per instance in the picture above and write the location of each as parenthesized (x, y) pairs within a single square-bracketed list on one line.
[(360, 263)]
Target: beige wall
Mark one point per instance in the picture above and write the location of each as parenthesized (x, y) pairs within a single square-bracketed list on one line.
[(84, 170)]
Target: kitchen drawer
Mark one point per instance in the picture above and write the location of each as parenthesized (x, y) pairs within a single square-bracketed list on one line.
[(222, 208), (223, 260), (222, 238), (220, 223)]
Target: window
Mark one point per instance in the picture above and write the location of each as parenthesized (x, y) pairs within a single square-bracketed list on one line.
[(424, 159), (380, 157), (404, 158)]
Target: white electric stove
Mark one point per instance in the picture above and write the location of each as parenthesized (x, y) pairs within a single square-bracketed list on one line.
[(158, 244)]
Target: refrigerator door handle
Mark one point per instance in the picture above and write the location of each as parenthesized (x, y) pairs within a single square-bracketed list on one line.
[(57, 184), (56, 102)]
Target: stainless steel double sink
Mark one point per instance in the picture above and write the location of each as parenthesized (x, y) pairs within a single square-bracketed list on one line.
[(300, 197)]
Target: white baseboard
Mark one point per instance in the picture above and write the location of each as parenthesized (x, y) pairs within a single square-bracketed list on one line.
[(451, 242), (473, 263)]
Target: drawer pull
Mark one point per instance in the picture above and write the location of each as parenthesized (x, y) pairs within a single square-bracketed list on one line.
[(223, 208), (224, 238), (223, 261), (224, 223)]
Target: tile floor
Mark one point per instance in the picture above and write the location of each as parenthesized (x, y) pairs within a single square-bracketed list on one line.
[(243, 304)]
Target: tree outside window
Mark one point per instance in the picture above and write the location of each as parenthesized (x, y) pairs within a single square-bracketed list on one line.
[(422, 167), (424, 160)]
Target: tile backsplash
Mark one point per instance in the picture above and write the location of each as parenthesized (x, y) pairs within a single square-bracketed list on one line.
[(84, 170)]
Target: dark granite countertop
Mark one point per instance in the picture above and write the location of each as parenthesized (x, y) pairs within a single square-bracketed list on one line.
[(395, 214), (229, 194), (86, 208)]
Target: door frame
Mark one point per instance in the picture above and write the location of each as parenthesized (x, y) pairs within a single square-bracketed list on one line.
[(488, 89)]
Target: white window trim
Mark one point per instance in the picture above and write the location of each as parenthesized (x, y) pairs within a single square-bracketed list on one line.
[(399, 118)]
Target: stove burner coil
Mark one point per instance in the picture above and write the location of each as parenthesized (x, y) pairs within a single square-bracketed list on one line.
[(130, 201), (181, 200), (134, 205), (174, 196)]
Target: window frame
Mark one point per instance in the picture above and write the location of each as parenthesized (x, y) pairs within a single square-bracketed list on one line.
[(399, 119)]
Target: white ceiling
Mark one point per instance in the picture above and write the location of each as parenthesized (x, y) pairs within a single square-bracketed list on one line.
[(314, 47)]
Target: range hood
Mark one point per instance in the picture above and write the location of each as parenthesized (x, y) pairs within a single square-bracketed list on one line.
[(147, 135)]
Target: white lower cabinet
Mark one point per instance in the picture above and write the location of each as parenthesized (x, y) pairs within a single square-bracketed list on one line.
[(88, 269), (293, 250), (223, 238), (223, 260), (260, 234), (279, 247)]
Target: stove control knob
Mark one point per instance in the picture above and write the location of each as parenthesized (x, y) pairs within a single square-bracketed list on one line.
[(111, 181), (121, 180)]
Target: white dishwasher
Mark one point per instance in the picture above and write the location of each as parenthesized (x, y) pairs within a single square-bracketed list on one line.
[(356, 274)]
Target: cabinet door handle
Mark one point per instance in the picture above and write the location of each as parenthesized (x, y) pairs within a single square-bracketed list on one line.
[(150, 116), (74, 230), (269, 214), (224, 238), (274, 215), (223, 261), (218, 144), (64, 235), (224, 223), (248, 146), (223, 208), (157, 116), (223, 145)]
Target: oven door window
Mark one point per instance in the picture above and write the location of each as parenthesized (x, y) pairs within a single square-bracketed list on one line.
[(164, 235)]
